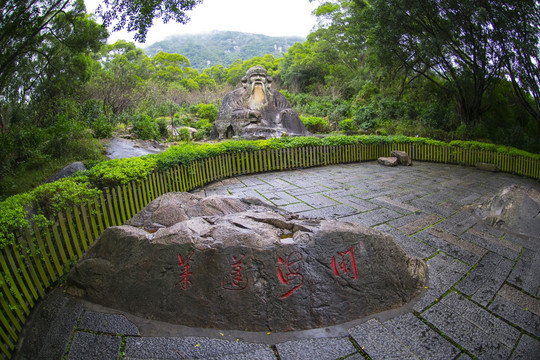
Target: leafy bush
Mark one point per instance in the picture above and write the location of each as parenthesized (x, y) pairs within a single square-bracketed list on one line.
[(54, 197), (207, 111), (162, 128), (102, 127), (348, 126), (144, 127), (184, 134), (366, 117), (122, 171), (315, 124), (203, 125), (199, 135)]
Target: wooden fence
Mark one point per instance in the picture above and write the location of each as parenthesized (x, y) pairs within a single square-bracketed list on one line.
[(41, 256)]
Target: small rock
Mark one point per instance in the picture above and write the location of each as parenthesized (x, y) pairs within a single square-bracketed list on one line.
[(388, 161), (67, 171), (487, 167), (403, 157)]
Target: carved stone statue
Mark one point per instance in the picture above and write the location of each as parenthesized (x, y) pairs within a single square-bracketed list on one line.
[(256, 112)]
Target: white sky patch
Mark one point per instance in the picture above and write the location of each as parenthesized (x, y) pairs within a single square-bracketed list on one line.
[(268, 17)]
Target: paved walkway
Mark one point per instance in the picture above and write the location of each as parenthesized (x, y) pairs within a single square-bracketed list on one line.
[(481, 302)]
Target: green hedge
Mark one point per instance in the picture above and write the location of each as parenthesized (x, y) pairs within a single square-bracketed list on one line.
[(49, 199)]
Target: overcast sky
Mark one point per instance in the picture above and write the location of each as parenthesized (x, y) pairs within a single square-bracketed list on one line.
[(268, 17)]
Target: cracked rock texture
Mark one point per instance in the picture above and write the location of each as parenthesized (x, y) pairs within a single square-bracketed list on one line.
[(515, 209), (231, 263)]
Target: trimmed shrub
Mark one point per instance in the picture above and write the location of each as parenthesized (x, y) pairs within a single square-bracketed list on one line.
[(315, 124)]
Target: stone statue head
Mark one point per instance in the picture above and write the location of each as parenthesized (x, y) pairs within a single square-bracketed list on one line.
[(257, 84)]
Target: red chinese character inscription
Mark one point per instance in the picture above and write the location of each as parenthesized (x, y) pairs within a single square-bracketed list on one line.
[(291, 275), (184, 265), (236, 280), (346, 264)]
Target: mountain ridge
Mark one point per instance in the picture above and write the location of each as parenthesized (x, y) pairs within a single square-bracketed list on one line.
[(222, 47)]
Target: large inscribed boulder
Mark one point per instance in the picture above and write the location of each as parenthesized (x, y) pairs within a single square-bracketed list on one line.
[(232, 263), (255, 111)]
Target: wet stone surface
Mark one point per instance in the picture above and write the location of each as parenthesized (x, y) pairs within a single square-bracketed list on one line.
[(481, 300)]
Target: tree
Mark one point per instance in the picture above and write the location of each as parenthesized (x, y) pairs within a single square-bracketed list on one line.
[(517, 26), (44, 48), (138, 15), (120, 80), (168, 67), (457, 45)]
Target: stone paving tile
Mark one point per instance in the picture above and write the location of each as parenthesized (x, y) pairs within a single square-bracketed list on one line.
[(449, 248), (444, 272), (458, 223), (420, 338), (372, 218), (422, 222), (86, 346), (320, 349), (187, 347), (521, 299), (357, 204), (261, 354), (526, 274), (395, 205), (528, 243), (488, 230), (455, 240), (212, 192), (107, 323), (516, 314), (296, 208), (481, 318), (379, 343), (371, 194), (492, 267), (343, 192), (527, 349), (279, 198), (251, 181), (331, 212), (53, 321), (491, 243), (310, 189), (412, 246), (249, 193), (317, 200), (465, 333)]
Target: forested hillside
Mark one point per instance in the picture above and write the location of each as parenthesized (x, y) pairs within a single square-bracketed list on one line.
[(222, 47)]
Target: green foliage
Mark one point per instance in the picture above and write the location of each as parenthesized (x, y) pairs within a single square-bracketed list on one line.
[(162, 128), (204, 125), (184, 134), (122, 171), (199, 135), (315, 124), (145, 127), (13, 215), (348, 126), (102, 127), (207, 111), (54, 197)]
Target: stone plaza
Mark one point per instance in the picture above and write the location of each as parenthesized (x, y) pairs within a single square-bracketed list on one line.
[(481, 300)]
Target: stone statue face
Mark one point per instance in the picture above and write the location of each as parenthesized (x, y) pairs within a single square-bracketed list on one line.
[(258, 88)]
